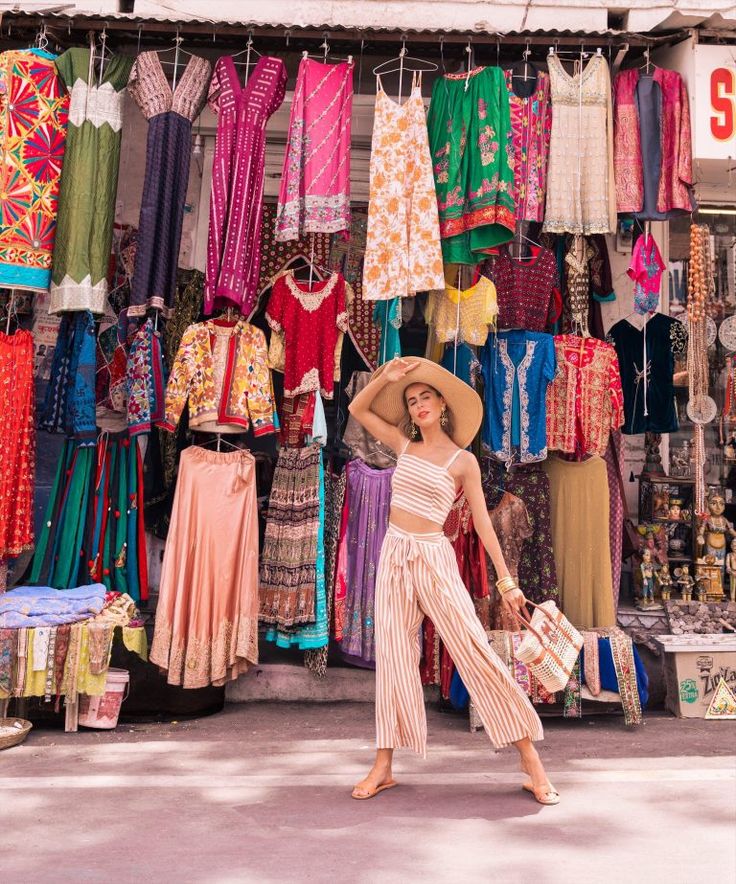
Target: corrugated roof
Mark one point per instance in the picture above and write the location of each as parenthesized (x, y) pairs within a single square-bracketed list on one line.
[(119, 20)]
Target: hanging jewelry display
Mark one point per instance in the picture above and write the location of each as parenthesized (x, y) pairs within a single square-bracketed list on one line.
[(701, 409)]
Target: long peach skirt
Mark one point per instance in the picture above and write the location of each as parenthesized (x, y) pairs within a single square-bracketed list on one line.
[(207, 617)]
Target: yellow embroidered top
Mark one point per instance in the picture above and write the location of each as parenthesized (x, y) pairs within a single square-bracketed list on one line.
[(465, 314), (223, 372)]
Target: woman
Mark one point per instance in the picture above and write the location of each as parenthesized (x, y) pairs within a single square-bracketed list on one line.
[(428, 416)]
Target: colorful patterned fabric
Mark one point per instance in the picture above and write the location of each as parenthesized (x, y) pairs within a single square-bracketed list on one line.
[(310, 321), (370, 501), (69, 406), (236, 201), (537, 572), (531, 127), (314, 196), (145, 381), (33, 117), (89, 180), (168, 157), (315, 659), (675, 173), (288, 567), (585, 399), (17, 443), (403, 255), (311, 635), (244, 396), (518, 367), (470, 135)]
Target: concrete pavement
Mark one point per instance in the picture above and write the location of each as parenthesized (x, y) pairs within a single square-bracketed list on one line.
[(260, 793)]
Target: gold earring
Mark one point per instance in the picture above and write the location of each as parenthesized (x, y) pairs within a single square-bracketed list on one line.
[(443, 417), (413, 431)]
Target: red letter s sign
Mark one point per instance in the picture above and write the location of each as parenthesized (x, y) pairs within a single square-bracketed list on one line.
[(723, 103)]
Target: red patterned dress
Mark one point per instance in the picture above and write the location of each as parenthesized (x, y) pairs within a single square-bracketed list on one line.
[(17, 443)]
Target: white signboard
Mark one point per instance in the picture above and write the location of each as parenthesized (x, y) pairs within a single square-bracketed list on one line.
[(714, 126)]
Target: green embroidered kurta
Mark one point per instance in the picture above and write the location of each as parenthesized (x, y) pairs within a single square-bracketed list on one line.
[(89, 180)]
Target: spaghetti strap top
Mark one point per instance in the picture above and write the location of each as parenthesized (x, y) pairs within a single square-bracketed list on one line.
[(422, 488)]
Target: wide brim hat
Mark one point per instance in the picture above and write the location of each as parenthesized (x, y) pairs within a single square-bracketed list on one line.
[(463, 403)]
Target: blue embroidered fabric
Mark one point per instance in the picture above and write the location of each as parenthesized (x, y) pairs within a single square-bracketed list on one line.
[(69, 406), (517, 368)]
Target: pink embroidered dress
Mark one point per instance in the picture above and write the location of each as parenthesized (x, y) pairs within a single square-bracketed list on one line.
[(531, 126), (314, 196), (310, 322), (236, 204)]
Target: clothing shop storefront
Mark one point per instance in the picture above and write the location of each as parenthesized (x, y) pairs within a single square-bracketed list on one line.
[(210, 235)]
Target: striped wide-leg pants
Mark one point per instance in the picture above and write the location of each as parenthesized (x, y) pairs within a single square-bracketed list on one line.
[(418, 575)]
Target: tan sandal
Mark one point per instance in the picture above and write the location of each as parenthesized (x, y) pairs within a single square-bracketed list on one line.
[(374, 791), (548, 795)]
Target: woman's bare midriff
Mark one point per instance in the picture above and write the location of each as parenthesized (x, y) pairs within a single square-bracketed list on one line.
[(411, 523)]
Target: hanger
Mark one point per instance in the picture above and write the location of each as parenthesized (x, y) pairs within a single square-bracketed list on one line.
[(518, 238), (314, 267), (12, 312), (648, 64), (402, 59), (41, 42), (525, 60), (219, 441), (248, 50), (230, 315), (177, 50), (325, 56)]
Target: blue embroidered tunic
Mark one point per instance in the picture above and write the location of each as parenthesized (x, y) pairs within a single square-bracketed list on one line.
[(517, 367)]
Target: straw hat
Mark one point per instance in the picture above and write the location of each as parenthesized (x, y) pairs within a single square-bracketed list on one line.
[(463, 403)]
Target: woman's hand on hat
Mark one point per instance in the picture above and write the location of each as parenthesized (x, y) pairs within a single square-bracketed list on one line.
[(397, 368), (515, 602)]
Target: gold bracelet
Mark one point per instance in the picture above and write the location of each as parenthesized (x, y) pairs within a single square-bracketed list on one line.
[(506, 584)]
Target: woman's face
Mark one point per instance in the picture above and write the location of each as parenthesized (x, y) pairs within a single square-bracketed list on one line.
[(423, 404)]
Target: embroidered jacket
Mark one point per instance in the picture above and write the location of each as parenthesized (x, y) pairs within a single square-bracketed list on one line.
[(238, 392), (676, 170), (585, 400), (518, 366)]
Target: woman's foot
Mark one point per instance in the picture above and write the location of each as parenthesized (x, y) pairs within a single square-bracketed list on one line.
[(378, 780), (539, 785)]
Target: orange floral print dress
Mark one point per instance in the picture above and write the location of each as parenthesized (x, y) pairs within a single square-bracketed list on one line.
[(403, 254)]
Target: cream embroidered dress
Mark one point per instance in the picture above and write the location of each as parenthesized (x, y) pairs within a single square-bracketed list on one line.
[(581, 194)]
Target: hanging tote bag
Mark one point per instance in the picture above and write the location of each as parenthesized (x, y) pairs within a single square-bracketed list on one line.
[(550, 646)]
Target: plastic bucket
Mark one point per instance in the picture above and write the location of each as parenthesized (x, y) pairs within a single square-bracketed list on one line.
[(102, 712)]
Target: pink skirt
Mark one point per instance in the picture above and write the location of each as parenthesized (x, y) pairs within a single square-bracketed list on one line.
[(207, 616)]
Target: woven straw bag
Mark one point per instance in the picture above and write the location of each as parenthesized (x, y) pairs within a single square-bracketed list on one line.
[(550, 646)]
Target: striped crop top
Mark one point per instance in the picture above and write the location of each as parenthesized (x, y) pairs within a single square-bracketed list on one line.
[(422, 488)]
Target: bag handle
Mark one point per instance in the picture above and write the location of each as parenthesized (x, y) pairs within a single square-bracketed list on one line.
[(526, 624)]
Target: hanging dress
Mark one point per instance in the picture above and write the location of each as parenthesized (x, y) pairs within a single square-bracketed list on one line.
[(314, 196), (33, 119), (17, 443), (581, 191), (236, 203), (531, 125), (168, 155), (403, 254), (89, 180), (469, 127)]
